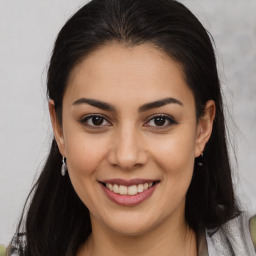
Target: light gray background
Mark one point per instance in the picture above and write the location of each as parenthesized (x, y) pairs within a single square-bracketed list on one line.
[(28, 29)]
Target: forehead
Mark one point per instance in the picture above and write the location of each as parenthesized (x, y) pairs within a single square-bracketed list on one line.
[(116, 71)]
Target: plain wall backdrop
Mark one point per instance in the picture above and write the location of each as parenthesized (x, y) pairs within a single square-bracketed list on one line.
[(28, 29)]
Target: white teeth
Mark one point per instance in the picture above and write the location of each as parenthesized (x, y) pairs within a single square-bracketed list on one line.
[(131, 190), (140, 188), (145, 186), (123, 190), (116, 188)]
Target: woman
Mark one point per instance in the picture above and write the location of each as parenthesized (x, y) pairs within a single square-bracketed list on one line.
[(139, 163)]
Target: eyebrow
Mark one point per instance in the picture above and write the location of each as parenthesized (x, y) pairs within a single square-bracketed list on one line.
[(143, 108), (159, 103)]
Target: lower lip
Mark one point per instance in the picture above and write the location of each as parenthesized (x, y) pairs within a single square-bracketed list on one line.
[(127, 200)]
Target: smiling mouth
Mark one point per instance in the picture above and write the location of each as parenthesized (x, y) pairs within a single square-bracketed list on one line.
[(129, 190)]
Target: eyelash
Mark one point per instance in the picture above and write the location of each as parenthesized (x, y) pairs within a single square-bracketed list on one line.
[(85, 119), (166, 117)]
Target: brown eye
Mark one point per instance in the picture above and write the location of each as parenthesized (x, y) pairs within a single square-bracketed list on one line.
[(95, 121), (161, 121)]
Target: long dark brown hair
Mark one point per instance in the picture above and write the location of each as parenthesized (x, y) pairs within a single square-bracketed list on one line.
[(55, 221)]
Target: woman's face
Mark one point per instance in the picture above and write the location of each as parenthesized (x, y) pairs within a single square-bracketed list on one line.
[(129, 123)]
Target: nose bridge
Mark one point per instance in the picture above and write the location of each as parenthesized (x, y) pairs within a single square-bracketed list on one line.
[(128, 148)]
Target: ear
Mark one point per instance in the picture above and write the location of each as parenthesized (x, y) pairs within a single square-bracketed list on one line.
[(204, 127), (57, 129)]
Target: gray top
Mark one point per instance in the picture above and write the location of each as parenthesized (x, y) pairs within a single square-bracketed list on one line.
[(232, 239)]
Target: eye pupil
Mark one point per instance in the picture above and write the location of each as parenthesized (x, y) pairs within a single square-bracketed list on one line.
[(159, 121), (97, 120)]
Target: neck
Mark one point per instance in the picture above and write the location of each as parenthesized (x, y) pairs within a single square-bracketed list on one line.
[(168, 239)]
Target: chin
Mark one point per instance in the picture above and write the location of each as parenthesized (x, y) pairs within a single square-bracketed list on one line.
[(132, 230), (131, 224)]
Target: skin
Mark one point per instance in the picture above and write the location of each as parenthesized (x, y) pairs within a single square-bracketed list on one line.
[(129, 144)]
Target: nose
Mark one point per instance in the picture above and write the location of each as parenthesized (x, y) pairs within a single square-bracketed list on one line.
[(127, 150)]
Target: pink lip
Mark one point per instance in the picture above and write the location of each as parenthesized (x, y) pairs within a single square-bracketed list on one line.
[(127, 182), (127, 200)]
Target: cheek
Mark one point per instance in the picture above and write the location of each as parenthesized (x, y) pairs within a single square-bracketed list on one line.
[(175, 156), (84, 152), (84, 155), (176, 160)]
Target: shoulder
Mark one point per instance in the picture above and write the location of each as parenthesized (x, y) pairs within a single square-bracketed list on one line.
[(236, 236)]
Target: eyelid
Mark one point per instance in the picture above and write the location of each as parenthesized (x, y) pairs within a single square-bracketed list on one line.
[(167, 117), (87, 117)]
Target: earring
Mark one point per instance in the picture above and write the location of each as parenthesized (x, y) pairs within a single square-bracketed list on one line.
[(200, 162), (63, 167)]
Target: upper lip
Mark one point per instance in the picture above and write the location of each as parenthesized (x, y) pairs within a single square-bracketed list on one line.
[(128, 182)]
